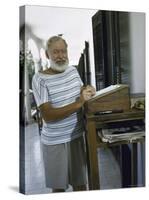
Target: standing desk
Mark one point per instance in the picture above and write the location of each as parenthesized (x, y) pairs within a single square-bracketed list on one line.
[(94, 122)]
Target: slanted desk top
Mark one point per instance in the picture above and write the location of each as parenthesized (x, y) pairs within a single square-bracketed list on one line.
[(114, 97)]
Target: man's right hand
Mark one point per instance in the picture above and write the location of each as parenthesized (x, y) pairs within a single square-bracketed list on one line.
[(86, 94)]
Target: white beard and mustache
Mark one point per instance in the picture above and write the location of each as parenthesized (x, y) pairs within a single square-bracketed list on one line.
[(59, 67)]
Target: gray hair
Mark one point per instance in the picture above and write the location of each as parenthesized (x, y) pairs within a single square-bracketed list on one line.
[(54, 39)]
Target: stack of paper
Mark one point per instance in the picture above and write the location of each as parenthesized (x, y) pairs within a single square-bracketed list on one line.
[(107, 136)]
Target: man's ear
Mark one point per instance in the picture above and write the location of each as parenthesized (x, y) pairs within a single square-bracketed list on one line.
[(47, 55)]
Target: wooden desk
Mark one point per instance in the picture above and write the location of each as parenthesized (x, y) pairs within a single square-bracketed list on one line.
[(94, 142)]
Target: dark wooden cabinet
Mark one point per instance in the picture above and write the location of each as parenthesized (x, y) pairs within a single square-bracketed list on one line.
[(111, 48)]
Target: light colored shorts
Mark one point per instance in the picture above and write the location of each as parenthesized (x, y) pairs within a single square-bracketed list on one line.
[(65, 164)]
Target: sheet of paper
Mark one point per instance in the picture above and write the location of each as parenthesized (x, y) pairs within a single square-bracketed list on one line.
[(105, 90)]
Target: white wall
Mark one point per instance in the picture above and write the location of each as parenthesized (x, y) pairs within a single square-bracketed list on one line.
[(74, 24), (137, 49)]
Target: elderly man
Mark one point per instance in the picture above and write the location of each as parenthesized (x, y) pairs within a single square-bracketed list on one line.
[(60, 96)]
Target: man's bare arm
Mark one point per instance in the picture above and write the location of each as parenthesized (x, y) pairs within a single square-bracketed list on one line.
[(49, 113)]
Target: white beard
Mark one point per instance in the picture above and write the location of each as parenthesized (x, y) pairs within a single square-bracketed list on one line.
[(57, 67)]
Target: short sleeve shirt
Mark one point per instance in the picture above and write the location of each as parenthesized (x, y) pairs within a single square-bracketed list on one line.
[(60, 90)]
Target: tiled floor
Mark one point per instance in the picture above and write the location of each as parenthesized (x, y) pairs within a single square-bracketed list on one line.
[(34, 176), (34, 172)]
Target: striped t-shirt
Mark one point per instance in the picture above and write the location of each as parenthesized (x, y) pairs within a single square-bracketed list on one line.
[(59, 89)]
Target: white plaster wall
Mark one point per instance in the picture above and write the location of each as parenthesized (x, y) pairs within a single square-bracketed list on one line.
[(137, 49)]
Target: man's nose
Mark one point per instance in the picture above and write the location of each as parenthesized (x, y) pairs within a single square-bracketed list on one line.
[(60, 55)]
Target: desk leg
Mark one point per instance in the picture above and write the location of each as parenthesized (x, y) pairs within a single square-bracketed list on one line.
[(134, 165), (92, 154)]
